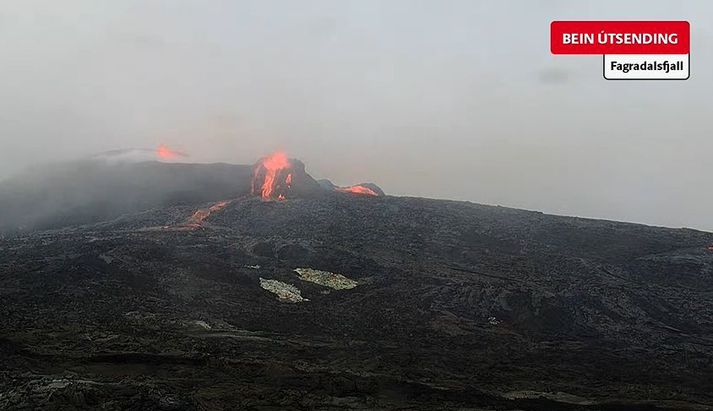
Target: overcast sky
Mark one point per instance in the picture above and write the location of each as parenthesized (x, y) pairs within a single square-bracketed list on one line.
[(447, 99)]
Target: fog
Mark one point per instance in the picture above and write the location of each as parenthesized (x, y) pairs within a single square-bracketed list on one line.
[(446, 99)]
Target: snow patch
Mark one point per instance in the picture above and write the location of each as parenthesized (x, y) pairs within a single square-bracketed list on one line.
[(326, 279), (284, 292)]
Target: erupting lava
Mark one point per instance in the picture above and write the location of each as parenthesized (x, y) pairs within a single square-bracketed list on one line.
[(269, 176), (277, 177), (165, 153), (358, 189)]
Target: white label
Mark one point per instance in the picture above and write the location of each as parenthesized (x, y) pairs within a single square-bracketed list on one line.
[(646, 66)]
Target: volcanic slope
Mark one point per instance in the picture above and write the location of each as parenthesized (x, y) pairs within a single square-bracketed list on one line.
[(456, 305), (89, 191)]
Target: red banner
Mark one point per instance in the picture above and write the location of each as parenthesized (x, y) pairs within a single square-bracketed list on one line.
[(620, 37)]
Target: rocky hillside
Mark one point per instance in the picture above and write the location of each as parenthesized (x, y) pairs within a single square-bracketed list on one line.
[(340, 301)]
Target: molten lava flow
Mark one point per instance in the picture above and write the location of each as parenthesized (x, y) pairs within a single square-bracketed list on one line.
[(358, 189), (218, 206), (196, 220), (165, 153), (268, 176)]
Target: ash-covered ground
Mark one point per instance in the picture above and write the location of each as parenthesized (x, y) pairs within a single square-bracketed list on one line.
[(397, 303)]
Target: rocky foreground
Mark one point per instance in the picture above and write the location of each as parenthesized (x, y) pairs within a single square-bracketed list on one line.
[(349, 302)]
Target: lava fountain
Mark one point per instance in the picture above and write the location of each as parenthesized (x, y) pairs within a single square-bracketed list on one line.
[(272, 176), (277, 177)]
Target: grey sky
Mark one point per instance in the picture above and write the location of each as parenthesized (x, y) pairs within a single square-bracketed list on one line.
[(449, 99)]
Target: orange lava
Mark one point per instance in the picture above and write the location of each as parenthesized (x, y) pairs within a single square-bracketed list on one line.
[(165, 153), (196, 220), (272, 167), (358, 189)]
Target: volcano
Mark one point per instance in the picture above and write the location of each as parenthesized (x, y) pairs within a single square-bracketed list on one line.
[(277, 177), (259, 287), (104, 187)]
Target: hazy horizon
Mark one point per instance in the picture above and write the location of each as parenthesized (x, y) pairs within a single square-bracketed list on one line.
[(456, 99)]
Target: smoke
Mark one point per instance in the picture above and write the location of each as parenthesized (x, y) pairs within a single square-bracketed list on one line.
[(135, 155), (459, 100), (97, 189)]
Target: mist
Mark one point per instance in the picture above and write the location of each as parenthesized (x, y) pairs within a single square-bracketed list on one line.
[(455, 99)]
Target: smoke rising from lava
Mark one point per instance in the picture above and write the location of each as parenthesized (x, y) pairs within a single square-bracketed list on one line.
[(132, 155), (165, 153)]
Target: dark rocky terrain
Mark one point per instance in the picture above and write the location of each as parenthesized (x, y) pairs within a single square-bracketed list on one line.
[(458, 306)]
